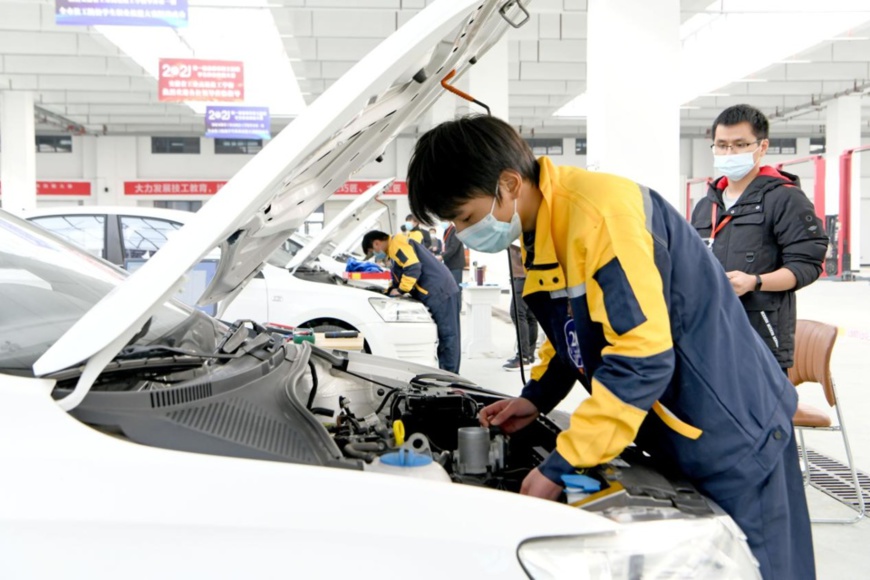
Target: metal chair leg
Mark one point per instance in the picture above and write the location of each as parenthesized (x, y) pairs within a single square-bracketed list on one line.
[(804, 456), (857, 484)]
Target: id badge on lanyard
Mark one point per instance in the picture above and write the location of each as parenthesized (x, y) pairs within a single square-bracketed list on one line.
[(714, 229)]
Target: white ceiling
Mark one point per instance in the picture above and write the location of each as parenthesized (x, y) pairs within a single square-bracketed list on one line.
[(78, 75)]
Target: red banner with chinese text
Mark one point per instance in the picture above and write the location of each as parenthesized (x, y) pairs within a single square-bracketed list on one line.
[(82, 188), (189, 79), (176, 187)]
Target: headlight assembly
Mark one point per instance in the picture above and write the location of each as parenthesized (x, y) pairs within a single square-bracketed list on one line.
[(398, 310), (672, 549)]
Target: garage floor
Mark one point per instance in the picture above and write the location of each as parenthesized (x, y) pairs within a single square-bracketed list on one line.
[(841, 550)]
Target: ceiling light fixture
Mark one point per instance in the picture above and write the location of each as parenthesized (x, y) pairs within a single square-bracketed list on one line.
[(707, 67), (576, 108)]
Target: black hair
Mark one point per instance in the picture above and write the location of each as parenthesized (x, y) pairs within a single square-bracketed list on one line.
[(461, 160), (409, 217), (369, 239), (744, 114)]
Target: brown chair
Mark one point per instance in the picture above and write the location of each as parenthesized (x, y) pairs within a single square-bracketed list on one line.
[(814, 343)]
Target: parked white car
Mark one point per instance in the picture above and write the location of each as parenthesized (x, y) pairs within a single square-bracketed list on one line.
[(301, 293), (142, 438)]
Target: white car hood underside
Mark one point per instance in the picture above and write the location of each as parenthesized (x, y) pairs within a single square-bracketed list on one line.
[(344, 129)]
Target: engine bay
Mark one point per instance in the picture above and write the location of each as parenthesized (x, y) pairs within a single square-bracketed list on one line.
[(263, 397), (437, 418)]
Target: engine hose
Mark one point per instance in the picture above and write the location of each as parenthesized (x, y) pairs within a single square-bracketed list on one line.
[(367, 451), (313, 392)]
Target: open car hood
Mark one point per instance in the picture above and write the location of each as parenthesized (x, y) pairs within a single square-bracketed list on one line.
[(348, 126), (353, 210), (345, 244)]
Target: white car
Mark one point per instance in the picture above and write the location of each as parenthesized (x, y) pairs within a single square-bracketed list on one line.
[(142, 438), (293, 288)]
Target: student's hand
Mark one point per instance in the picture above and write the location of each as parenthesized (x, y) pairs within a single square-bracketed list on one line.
[(741, 282), (536, 484), (509, 414), (395, 292)]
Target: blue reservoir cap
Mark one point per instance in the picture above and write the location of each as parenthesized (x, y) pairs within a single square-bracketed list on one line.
[(582, 482), (406, 458)]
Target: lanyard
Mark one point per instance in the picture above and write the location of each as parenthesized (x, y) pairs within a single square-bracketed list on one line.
[(714, 215)]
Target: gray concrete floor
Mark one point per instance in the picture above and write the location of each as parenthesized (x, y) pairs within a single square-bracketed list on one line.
[(842, 551)]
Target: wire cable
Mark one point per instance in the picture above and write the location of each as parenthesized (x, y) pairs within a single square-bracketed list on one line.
[(517, 318)]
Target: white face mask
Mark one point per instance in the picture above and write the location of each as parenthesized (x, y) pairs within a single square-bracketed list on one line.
[(491, 235), (735, 167)]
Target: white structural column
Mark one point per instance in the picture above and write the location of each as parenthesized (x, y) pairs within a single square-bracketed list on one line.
[(843, 131), (488, 80), (488, 83), (633, 85), (444, 109), (18, 161)]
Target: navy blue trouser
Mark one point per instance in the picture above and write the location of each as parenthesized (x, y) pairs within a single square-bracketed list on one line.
[(774, 517), (445, 312)]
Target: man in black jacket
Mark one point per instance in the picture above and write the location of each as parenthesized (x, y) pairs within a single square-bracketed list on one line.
[(761, 227), (521, 315), (416, 233), (454, 253), (437, 247)]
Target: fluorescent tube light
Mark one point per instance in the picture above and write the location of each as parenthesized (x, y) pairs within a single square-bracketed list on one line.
[(575, 108), (712, 58)]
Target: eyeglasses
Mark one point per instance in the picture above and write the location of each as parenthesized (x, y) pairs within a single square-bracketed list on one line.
[(738, 147)]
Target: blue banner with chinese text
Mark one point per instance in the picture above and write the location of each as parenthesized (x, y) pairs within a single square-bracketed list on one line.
[(171, 13)]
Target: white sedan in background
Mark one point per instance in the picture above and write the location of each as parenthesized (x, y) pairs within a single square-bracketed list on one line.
[(301, 293)]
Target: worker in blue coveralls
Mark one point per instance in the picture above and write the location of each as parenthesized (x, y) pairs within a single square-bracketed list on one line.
[(417, 272), (667, 352)]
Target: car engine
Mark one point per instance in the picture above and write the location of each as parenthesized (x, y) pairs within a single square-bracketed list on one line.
[(259, 396), (440, 418)]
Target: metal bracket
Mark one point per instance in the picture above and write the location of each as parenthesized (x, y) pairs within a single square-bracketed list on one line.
[(510, 4)]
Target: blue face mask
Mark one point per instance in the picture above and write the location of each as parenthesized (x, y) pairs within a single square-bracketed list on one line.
[(491, 235), (409, 226), (380, 256), (735, 167)]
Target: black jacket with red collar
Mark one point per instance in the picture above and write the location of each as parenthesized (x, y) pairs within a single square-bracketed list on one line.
[(771, 226)]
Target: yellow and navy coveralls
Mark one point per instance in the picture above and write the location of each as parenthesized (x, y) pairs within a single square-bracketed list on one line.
[(669, 356), (417, 272)]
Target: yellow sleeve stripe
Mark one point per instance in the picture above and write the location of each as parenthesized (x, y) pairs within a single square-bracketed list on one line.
[(634, 250), (547, 353), (406, 284), (675, 422), (601, 427)]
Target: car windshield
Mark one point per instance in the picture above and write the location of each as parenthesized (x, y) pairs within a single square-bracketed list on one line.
[(46, 285), (284, 253)]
